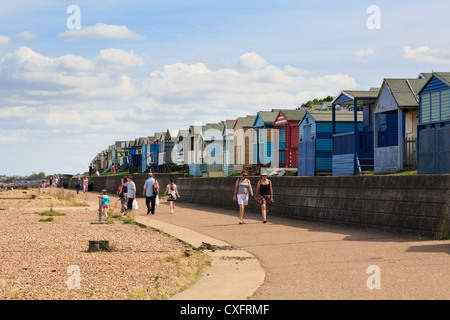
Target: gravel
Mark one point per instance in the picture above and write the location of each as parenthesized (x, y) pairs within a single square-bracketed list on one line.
[(37, 258)]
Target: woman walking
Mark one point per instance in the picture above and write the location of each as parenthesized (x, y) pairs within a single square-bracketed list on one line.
[(172, 192), (264, 195), (85, 184), (242, 189)]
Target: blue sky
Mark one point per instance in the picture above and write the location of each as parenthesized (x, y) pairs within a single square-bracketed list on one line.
[(136, 67)]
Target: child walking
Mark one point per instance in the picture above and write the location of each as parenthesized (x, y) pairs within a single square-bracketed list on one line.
[(105, 203), (172, 192)]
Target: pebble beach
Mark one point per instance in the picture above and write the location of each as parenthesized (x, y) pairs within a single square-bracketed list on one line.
[(44, 251)]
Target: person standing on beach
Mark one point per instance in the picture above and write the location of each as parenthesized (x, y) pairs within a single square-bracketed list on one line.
[(90, 169), (85, 184), (131, 192), (172, 192), (77, 184), (105, 203), (122, 192), (149, 193), (264, 195), (242, 189)]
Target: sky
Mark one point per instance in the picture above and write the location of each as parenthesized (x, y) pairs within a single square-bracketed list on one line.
[(76, 76)]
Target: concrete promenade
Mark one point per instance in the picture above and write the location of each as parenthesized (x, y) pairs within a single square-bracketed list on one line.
[(294, 260)]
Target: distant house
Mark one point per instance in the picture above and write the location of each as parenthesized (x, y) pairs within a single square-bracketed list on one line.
[(228, 146), (195, 151), (242, 143), (315, 139), (396, 116), (326, 106), (353, 150), (434, 125), (286, 133), (263, 137)]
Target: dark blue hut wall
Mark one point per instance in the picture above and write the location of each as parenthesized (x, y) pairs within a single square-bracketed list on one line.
[(434, 149), (388, 129)]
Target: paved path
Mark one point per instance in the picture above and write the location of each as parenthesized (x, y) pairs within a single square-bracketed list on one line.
[(301, 260)]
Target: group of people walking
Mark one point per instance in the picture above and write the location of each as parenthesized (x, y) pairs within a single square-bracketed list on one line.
[(242, 191), (79, 182), (127, 194), (263, 195)]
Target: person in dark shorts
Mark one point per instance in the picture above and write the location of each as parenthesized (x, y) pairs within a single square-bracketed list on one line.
[(264, 195)]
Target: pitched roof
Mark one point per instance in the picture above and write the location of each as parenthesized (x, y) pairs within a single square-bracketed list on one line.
[(246, 122), (404, 91), (443, 76), (268, 116), (327, 116), (293, 114), (372, 93)]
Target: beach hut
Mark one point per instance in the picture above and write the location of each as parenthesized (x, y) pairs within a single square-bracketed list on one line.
[(146, 150), (263, 137), (182, 145), (396, 116), (170, 139), (195, 150), (242, 143), (213, 148), (286, 133), (157, 152), (353, 150), (228, 146), (315, 139), (433, 130)]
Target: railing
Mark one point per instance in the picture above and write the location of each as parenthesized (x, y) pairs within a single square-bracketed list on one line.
[(343, 143), (410, 153), (282, 159)]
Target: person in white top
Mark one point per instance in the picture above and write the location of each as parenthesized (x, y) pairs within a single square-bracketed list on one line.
[(131, 192), (172, 192), (242, 189)]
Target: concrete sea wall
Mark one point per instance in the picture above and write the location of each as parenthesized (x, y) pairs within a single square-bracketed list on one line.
[(416, 205)]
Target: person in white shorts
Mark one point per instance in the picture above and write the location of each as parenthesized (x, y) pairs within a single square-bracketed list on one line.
[(242, 189)]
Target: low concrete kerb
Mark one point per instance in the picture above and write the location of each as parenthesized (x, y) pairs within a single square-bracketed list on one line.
[(234, 274)]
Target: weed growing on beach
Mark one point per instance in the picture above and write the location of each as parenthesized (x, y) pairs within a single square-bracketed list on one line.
[(70, 200), (50, 219), (51, 213), (127, 220)]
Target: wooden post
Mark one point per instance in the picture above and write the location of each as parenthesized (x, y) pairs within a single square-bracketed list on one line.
[(99, 209)]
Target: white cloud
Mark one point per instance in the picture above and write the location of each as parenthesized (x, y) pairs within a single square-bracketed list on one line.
[(69, 77), (362, 54), (426, 55), (4, 40), (196, 89), (252, 61), (26, 35), (101, 31)]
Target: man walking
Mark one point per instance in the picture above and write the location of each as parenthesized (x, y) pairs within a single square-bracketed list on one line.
[(131, 192), (149, 193)]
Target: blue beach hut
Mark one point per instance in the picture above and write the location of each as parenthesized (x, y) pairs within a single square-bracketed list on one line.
[(433, 130), (395, 124), (263, 137), (353, 150), (315, 143)]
